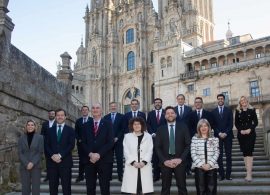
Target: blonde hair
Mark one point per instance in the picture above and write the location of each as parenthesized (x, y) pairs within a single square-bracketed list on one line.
[(239, 107), (199, 125), (28, 121)]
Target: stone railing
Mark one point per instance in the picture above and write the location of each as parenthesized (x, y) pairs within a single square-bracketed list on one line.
[(9, 167), (226, 68), (266, 131)]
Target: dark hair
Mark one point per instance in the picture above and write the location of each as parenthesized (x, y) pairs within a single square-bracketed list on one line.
[(51, 111), (59, 110), (169, 108), (221, 95), (135, 100), (112, 103), (85, 107), (198, 98), (136, 119), (181, 95), (157, 99)]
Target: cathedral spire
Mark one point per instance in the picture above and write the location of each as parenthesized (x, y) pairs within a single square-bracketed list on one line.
[(229, 33)]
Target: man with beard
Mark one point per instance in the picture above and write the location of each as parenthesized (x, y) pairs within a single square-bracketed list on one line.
[(44, 130), (155, 119), (223, 117), (172, 146)]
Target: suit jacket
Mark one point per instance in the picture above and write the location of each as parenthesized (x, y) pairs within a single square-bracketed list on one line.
[(79, 127), (193, 120), (102, 143), (45, 127), (246, 120), (118, 130), (129, 116), (187, 111), (224, 123), (182, 142), (152, 124), (32, 154), (64, 147)]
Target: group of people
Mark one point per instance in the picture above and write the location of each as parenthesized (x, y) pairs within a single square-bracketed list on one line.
[(175, 140)]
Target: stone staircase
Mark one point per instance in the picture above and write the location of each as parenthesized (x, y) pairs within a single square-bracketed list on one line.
[(259, 186)]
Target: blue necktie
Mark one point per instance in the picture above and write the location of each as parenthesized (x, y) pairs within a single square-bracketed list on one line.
[(113, 117)]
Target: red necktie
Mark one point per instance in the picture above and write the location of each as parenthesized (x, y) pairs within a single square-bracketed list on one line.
[(158, 117), (95, 128)]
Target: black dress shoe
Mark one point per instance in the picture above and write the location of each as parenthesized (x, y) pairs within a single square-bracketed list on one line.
[(228, 178), (78, 179), (221, 178), (45, 179), (156, 179)]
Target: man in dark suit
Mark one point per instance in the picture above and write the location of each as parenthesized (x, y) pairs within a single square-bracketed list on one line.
[(116, 119), (78, 132), (97, 144), (60, 142), (172, 147), (155, 119), (182, 110), (134, 105), (197, 114), (44, 129), (223, 117)]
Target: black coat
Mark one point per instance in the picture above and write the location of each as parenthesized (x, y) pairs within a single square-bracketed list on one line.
[(118, 129), (152, 124), (102, 143)]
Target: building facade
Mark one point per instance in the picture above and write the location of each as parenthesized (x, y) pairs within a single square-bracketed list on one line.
[(132, 51)]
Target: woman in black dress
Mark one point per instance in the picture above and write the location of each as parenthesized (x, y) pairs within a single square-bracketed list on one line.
[(246, 122)]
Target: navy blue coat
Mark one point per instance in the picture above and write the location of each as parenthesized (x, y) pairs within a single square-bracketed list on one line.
[(224, 123), (187, 111), (64, 147), (152, 124), (129, 116), (118, 129), (193, 120)]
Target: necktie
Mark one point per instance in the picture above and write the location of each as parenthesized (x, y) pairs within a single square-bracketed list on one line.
[(134, 114), (181, 112), (220, 111), (84, 120), (172, 141), (95, 128), (199, 115), (158, 117), (59, 133), (112, 117)]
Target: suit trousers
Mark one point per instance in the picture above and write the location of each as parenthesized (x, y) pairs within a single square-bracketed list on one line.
[(103, 171), (206, 181), (30, 181), (81, 156), (156, 167), (56, 173), (227, 144), (118, 150), (180, 177)]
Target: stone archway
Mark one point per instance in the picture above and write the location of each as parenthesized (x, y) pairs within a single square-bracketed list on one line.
[(131, 93)]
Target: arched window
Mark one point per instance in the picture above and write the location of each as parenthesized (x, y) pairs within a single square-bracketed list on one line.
[(130, 61), (130, 36)]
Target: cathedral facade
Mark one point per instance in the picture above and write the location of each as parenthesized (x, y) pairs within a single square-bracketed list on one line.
[(132, 51)]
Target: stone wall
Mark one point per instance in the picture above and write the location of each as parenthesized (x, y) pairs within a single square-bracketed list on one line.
[(266, 130), (27, 91)]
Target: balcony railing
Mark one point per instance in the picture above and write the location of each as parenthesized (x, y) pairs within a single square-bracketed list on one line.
[(226, 68)]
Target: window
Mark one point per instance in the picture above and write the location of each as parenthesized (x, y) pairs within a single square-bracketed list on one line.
[(206, 92), (226, 94), (254, 89), (203, 67), (190, 88), (130, 61), (130, 36), (258, 55), (214, 65)]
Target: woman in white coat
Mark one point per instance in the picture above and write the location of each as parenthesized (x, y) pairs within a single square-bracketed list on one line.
[(138, 150)]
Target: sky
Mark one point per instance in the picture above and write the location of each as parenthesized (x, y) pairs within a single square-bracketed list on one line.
[(44, 29)]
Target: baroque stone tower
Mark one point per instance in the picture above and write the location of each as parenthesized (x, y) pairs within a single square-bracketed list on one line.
[(124, 48)]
